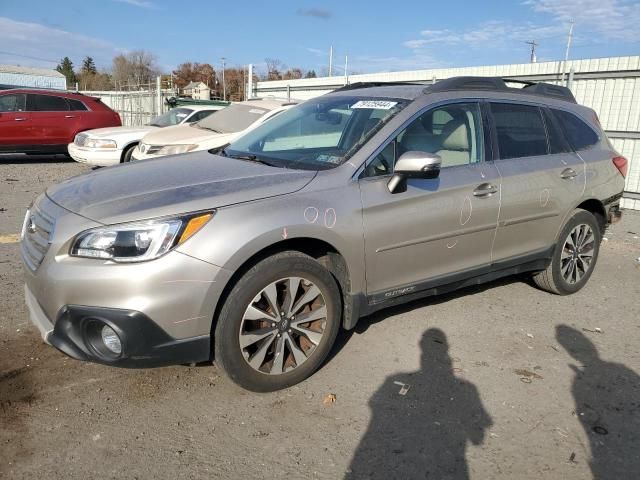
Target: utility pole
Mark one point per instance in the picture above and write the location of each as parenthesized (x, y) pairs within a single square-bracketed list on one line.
[(346, 72), (224, 85), (331, 61), (533, 50), (566, 53)]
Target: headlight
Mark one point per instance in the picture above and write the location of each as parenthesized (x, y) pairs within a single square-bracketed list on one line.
[(98, 143), (136, 242), (175, 149)]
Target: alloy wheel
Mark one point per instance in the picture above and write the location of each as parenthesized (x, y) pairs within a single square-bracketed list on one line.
[(577, 253), (283, 325)]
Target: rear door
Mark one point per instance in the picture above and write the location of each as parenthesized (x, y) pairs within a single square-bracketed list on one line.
[(15, 122), (76, 118), (52, 122), (541, 179)]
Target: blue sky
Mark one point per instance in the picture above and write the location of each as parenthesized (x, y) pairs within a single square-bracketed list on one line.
[(376, 35)]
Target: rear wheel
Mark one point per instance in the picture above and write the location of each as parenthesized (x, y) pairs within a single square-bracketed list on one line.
[(575, 255), (278, 323)]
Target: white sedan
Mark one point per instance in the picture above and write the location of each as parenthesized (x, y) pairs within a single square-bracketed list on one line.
[(213, 132), (109, 146)]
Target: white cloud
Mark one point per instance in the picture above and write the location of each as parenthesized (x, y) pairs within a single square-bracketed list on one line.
[(610, 19), (49, 45)]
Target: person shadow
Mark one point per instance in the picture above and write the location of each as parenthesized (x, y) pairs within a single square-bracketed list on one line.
[(607, 397), (422, 421)]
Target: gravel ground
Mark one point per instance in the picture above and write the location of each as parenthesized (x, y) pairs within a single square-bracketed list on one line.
[(501, 381)]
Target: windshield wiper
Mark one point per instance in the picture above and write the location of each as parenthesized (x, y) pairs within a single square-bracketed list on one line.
[(207, 128), (248, 157)]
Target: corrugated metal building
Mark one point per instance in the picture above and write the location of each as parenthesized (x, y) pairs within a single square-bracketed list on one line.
[(12, 76), (611, 86)]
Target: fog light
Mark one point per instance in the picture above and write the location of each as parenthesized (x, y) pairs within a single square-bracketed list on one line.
[(111, 340)]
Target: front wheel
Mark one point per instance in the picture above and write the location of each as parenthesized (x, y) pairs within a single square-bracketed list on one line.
[(126, 156), (278, 323), (575, 255)]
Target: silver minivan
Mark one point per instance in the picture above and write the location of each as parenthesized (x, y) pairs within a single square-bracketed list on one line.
[(256, 255)]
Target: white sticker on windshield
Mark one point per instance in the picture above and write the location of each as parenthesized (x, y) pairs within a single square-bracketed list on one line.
[(257, 110), (378, 104)]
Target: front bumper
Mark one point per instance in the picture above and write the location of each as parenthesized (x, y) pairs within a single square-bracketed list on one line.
[(144, 343), (98, 157)]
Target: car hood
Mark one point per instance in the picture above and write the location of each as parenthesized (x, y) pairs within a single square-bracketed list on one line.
[(179, 135), (114, 132), (172, 185)]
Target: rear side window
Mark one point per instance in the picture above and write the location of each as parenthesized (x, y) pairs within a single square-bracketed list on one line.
[(46, 103), (520, 130), (76, 105), (557, 142), (12, 103), (579, 134)]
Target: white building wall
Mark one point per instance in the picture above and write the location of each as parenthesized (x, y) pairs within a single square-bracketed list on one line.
[(15, 79), (611, 86)]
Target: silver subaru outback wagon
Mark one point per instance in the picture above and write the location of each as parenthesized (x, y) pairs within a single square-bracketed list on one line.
[(258, 254)]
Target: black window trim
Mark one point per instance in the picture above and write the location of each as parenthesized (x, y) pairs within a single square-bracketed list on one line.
[(86, 107), (583, 120), (358, 175), (558, 128), (539, 106)]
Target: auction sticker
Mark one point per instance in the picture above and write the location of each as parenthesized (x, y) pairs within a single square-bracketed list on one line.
[(378, 104)]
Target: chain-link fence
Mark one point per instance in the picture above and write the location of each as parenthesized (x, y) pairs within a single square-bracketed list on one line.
[(137, 104)]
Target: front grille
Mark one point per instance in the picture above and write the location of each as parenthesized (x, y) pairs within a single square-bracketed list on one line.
[(80, 139), (37, 239)]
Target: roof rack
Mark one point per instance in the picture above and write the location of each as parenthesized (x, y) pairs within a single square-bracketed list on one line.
[(500, 84), (356, 85)]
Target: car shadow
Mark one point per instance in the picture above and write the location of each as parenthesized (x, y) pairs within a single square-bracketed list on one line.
[(25, 159), (607, 398), (365, 322)]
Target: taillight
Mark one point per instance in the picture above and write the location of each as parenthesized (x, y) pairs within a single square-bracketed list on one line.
[(622, 165)]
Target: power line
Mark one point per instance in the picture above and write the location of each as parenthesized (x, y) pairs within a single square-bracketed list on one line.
[(28, 56)]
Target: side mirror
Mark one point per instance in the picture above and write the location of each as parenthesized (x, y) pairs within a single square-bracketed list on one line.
[(414, 164)]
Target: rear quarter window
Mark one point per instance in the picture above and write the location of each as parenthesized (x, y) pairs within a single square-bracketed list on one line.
[(76, 105), (578, 133)]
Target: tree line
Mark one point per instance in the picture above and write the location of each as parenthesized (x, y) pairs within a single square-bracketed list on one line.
[(138, 69)]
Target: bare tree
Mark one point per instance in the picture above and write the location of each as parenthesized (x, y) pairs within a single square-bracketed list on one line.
[(134, 68)]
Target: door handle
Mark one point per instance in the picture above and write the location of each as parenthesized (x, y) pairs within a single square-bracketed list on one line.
[(20, 119), (485, 190), (568, 174), (69, 116)]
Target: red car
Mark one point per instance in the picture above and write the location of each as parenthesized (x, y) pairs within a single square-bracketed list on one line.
[(46, 121)]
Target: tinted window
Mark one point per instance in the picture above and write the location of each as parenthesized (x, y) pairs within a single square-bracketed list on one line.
[(76, 104), (520, 130), (12, 103), (452, 131), (579, 134), (199, 115), (557, 142), (46, 103)]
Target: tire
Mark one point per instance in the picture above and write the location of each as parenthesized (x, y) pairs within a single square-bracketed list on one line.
[(126, 156), (302, 346), (563, 277)]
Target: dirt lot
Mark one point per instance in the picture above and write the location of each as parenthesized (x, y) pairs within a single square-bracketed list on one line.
[(498, 382)]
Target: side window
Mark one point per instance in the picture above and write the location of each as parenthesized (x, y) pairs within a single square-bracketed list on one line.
[(452, 131), (557, 141), (579, 134), (76, 105), (46, 103), (520, 130), (12, 103)]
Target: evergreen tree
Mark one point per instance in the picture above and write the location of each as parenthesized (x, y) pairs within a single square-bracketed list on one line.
[(311, 74), (65, 67), (89, 66)]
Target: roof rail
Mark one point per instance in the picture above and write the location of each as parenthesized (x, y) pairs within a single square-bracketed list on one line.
[(356, 85), (500, 84)]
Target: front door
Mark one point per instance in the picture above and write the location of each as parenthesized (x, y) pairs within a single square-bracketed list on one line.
[(438, 229), (15, 122)]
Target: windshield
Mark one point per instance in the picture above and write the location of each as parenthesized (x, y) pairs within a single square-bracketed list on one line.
[(318, 134), (172, 117), (234, 118)]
